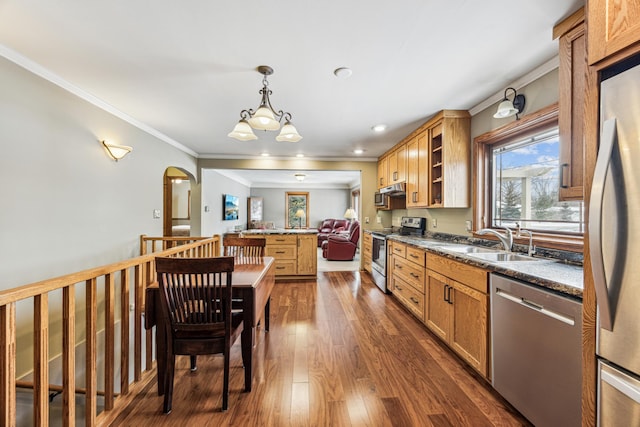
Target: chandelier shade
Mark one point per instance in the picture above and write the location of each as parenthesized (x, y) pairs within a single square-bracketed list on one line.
[(265, 117), (242, 131)]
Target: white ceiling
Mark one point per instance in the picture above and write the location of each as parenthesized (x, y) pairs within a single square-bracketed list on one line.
[(185, 69)]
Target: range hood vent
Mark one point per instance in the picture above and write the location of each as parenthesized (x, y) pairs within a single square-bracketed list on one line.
[(394, 190)]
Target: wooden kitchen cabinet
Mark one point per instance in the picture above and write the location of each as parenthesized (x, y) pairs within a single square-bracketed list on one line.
[(449, 141), (307, 254), (613, 26), (295, 255), (436, 161), (417, 171), (407, 276), (383, 171), (457, 308), (571, 103), (397, 165), (367, 254)]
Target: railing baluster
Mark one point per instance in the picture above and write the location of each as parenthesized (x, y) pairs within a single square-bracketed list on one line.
[(124, 331), (41, 360), (8, 361), (68, 355), (91, 353), (109, 341), (137, 322)]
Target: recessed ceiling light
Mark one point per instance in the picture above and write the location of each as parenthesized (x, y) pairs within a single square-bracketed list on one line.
[(343, 72), (299, 155), (379, 128), (264, 154), (358, 151)]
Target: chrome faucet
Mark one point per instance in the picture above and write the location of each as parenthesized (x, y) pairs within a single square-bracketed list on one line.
[(506, 239), (532, 249)]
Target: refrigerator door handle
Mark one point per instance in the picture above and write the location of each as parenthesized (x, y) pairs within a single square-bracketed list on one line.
[(620, 384), (603, 161)]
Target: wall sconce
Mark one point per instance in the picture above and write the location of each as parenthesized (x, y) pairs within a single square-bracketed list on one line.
[(509, 108), (115, 151)]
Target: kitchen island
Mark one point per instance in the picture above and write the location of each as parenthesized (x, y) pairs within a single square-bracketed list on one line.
[(294, 250)]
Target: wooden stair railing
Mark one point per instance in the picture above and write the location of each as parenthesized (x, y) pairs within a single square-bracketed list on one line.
[(105, 278)]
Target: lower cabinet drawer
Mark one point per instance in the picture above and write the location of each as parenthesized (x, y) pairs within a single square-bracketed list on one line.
[(409, 297), (281, 251), (285, 267), (409, 273), (278, 239)]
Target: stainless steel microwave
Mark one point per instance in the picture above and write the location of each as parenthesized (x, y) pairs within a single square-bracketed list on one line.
[(380, 199)]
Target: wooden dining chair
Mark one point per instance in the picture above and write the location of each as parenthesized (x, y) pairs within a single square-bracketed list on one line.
[(195, 295), (241, 248)]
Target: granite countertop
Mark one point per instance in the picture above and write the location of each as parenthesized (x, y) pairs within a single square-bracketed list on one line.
[(282, 231), (547, 273)]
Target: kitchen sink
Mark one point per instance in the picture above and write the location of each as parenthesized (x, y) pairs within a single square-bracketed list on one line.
[(502, 256)]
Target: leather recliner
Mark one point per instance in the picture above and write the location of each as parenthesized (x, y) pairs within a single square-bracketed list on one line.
[(342, 248), (330, 227)]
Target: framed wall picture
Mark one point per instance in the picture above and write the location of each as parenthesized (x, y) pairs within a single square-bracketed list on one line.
[(230, 208), (296, 209)]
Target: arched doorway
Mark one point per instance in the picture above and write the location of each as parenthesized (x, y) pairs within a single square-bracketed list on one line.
[(177, 203)]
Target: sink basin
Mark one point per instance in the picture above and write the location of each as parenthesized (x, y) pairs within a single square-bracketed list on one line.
[(502, 256), (466, 249)]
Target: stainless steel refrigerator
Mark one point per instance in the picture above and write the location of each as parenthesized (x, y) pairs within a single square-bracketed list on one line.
[(614, 229)]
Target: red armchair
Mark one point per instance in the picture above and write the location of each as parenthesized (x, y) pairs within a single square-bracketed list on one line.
[(329, 227), (342, 248)]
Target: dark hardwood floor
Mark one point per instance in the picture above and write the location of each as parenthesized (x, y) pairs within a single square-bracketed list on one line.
[(339, 353)]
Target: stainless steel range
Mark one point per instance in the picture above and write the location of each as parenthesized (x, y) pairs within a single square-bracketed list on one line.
[(410, 226)]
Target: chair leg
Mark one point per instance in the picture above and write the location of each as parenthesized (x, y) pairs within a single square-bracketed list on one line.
[(193, 363), (225, 389), (168, 384)]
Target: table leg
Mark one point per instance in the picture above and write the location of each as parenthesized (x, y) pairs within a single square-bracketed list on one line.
[(161, 354), (247, 354), (266, 314)]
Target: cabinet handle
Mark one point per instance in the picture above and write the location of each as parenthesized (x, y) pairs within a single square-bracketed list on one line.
[(414, 199), (449, 300), (398, 287), (414, 275), (395, 176), (562, 166), (399, 267), (279, 252), (413, 300), (413, 256), (279, 268), (380, 181), (444, 295)]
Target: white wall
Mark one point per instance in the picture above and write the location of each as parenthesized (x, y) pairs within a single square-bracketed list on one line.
[(65, 205), (322, 204), (214, 185)]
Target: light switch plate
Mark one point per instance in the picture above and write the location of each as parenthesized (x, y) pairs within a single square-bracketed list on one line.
[(366, 220), (467, 224), (156, 213), (434, 222), (378, 219)]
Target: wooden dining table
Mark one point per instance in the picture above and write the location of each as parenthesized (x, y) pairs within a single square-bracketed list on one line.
[(252, 282)]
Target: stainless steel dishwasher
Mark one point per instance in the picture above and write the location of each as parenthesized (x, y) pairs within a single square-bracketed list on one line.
[(536, 356)]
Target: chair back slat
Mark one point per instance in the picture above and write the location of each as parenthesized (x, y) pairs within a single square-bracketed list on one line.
[(240, 247), (195, 290)]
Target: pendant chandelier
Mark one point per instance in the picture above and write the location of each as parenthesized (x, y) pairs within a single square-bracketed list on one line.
[(265, 117)]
